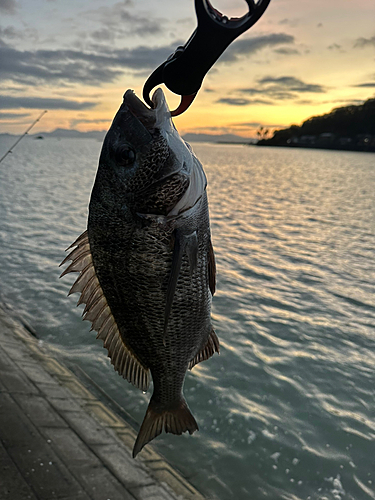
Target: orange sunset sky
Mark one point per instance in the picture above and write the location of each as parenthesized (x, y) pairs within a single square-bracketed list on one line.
[(77, 57)]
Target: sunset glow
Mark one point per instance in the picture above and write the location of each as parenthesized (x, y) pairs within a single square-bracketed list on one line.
[(77, 58)]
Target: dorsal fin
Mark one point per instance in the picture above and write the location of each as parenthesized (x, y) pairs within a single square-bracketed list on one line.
[(99, 313), (208, 350)]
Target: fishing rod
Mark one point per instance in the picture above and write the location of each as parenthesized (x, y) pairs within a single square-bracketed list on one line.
[(23, 135)]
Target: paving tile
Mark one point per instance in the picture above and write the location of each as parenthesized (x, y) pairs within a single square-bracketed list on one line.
[(153, 492), (5, 362), (7, 324), (40, 412), (15, 428), (128, 437), (12, 484), (7, 328), (56, 368), (120, 462), (87, 428), (103, 414), (164, 473), (36, 350), (16, 382), (101, 484), (77, 389), (53, 391), (67, 404), (82, 496), (70, 447), (45, 472), (35, 372), (16, 351)]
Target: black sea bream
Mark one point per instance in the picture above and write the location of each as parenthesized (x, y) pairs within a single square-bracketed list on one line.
[(146, 263)]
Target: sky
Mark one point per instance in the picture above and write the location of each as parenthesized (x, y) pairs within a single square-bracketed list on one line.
[(76, 58)]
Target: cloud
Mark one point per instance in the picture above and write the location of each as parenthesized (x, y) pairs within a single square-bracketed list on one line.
[(94, 67), (290, 83), (12, 116), (335, 46), (79, 121), (367, 84), (8, 32), (247, 125), (286, 51), (240, 101), (250, 46), (119, 21), (272, 89), (304, 102), (290, 22), (365, 42), (11, 102), (8, 6), (342, 102)]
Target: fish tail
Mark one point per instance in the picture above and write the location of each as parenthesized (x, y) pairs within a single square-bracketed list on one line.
[(174, 417)]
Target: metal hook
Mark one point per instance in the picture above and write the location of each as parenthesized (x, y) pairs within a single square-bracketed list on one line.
[(184, 70)]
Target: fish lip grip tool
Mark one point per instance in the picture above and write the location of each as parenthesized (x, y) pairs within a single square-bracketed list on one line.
[(184, 70)]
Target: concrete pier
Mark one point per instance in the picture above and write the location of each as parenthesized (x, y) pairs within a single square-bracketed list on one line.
[(58, 441)]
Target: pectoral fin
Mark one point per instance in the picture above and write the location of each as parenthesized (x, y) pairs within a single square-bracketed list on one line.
[(191, 248), (182, 243), (211, 268)]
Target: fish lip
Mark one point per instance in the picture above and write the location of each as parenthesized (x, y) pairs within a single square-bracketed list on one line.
[(149, 117)]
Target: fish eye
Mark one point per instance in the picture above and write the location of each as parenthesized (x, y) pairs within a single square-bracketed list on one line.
[(125, 156)]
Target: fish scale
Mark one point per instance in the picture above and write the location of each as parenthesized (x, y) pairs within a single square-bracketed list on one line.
[(146, 263)]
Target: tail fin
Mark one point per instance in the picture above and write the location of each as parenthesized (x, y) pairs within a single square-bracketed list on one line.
[(175, 418)]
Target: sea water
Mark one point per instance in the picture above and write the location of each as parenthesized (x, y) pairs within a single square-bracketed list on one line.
[(287, 411)]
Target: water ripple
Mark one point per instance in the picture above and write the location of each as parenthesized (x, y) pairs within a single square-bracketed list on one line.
[(287, 409)]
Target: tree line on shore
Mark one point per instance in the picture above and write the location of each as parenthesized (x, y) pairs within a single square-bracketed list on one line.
[(348, 127)]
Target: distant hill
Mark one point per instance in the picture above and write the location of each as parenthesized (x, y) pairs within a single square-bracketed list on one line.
[(347, 128), (62, 133), (99, 135), (218, 138), (73, 134)]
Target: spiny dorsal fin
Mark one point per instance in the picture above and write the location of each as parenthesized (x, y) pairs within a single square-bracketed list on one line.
[(208, 350), (99, 313)]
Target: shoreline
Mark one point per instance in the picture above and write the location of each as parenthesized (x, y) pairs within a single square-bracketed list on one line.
[(326, 148)]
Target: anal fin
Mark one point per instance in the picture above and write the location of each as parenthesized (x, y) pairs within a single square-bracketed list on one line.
[(208, 350)]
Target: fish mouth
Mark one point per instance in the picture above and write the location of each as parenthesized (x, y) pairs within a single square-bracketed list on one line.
[(150, 118)]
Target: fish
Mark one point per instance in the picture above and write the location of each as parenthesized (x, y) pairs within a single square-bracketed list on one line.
[(146, 263)]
